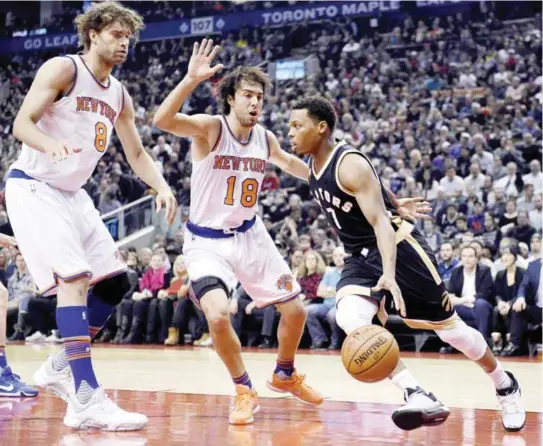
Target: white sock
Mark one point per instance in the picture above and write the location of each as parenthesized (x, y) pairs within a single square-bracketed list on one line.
[(500, 379), (404, 380)]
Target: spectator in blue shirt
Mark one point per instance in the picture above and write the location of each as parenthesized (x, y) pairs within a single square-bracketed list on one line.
[(447, 263)]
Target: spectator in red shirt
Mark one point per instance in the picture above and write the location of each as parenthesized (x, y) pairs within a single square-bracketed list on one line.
[(271, 180), (310, 273)]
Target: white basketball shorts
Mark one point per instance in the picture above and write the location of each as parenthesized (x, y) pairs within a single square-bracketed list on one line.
[(250, 257), (60, 234)]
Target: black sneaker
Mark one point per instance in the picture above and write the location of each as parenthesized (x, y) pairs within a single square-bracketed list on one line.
[(420, 409)]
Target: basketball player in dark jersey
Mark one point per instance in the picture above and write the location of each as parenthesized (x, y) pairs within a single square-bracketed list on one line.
[(387, 256)]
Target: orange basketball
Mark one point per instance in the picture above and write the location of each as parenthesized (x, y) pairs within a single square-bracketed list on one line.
[(370, 354)]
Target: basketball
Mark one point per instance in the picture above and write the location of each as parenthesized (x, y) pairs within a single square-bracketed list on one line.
[(370, 354)]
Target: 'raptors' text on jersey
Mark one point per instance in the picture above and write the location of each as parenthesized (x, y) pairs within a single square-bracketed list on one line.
[(340, 206), (226, 183), (85, 119)]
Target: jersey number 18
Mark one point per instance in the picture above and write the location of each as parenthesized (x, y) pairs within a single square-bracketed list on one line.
[(249, 192)]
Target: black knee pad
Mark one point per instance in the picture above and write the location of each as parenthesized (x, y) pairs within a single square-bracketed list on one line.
[(198, 288), (111, 291)]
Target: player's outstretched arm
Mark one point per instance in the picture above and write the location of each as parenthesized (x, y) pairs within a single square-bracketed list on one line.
[(54, 78), (286, 161), (357, 176), (167, 117), (141, 162)]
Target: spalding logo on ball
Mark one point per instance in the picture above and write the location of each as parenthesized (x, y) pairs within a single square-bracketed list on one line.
[(370, 354)]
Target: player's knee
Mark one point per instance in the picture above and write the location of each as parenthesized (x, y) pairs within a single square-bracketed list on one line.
[(111, 291), (465, 339), (209, 291), (213, 300), (73, 291), (354, 312), (218, 319), (293, 311)]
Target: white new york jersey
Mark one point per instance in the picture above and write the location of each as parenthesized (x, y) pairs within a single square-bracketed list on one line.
[(225, 184), (84, 119)]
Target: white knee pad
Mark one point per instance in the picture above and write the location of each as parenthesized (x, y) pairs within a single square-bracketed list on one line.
[(465, 339), (354, 312)]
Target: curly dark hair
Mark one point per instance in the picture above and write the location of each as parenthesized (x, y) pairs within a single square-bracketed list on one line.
[(231, 82), (104, 14), (319, 109)]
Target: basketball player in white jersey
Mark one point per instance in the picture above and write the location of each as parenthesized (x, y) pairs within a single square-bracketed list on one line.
[(65, 124), (225, 239)]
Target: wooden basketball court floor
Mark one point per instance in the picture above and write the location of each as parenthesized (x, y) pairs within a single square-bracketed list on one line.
[(186, 393)]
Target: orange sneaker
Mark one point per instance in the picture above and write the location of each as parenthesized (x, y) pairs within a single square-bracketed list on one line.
[(245, 406), (297, 387)]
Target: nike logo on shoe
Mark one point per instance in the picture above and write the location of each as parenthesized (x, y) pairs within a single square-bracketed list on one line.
[(7, 389)]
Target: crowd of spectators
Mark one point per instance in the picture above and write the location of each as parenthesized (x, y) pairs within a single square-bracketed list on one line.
[(447, 108)]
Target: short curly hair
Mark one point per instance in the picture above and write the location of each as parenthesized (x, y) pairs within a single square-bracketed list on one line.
[(231, 82), (104, 14), (319, 109)]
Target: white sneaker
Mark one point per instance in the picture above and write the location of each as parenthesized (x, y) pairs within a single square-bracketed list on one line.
[(101, 413), (60, 383), (513, 412), (421, 409), (38, 336), (53, 338)]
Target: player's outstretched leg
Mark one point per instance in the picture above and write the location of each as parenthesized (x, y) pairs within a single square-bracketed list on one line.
[(421, 408), (285, 379), (214, 303), (10, 383), (472, 343), (88, 404)]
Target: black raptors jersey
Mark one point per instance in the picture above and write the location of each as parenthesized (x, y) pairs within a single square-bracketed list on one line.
[(339, 206)]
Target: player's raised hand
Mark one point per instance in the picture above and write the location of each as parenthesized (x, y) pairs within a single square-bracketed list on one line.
[(389, 284), (167, 200), (203, 54), (413, 208), (6, 241), (59, 151)]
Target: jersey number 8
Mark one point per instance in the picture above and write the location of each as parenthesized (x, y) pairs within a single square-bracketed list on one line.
[(249, 192), (100, 138)]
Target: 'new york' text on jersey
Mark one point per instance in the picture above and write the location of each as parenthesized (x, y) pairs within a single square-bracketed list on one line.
[(83, 119), (225, 184)]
